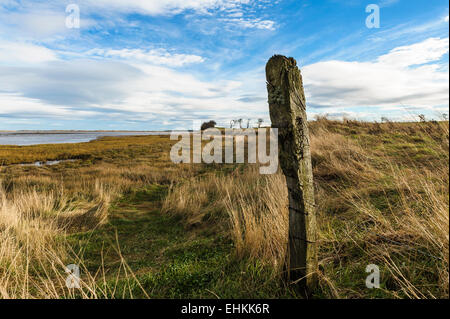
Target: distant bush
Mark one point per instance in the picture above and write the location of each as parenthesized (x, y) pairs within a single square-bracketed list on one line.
[(208, 125)]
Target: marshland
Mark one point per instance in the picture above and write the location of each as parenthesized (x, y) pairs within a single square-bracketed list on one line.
[(140, 226)]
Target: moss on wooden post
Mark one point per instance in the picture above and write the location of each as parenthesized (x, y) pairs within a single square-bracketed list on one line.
[(288, 113)]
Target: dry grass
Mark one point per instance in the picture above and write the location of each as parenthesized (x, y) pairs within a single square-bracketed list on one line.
[(254, 207), (39, 206), (382, 195), (381, 192), (394, 213), (32, 254)]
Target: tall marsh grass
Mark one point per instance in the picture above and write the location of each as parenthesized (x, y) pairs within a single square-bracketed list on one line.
[(40, 206), (381, 193), (382, 197), (252, 206), (33, 253)]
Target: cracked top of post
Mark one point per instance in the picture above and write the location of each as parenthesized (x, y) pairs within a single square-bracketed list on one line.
[(278, 66), (277, 58)]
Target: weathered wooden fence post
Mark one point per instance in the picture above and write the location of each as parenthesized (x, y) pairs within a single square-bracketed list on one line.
[(288, 113)]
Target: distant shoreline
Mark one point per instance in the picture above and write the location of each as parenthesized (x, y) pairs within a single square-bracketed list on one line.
[(76, 132), (26, 138)]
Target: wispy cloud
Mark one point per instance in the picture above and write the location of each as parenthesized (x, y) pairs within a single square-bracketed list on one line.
[(166, 62), (257, 23), (153, 56), (170, 7), (387, 3)]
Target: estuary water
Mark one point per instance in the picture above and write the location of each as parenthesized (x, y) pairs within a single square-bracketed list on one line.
[(34, 138)]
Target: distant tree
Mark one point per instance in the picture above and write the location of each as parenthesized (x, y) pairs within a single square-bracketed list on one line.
[(445, 116), (260, 121), (232, 122), (240, 123), (248, 123), (385, 119), (208, 125), (422, 118)]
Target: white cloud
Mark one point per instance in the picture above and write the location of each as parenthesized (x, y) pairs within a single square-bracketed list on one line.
[(398, 78), (233, 12), (16, 106), (80, 83), (387, 3), (19, 53), (256, 23), (38, 20), (47, 19), (420, 53), (145, 84), (166, 7), (38, 23), (124, 87), (155, 56)]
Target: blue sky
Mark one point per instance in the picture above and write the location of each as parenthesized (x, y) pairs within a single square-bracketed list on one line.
[(152, 65)]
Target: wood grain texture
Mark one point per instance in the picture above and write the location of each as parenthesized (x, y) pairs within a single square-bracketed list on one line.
[(288, 113)]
